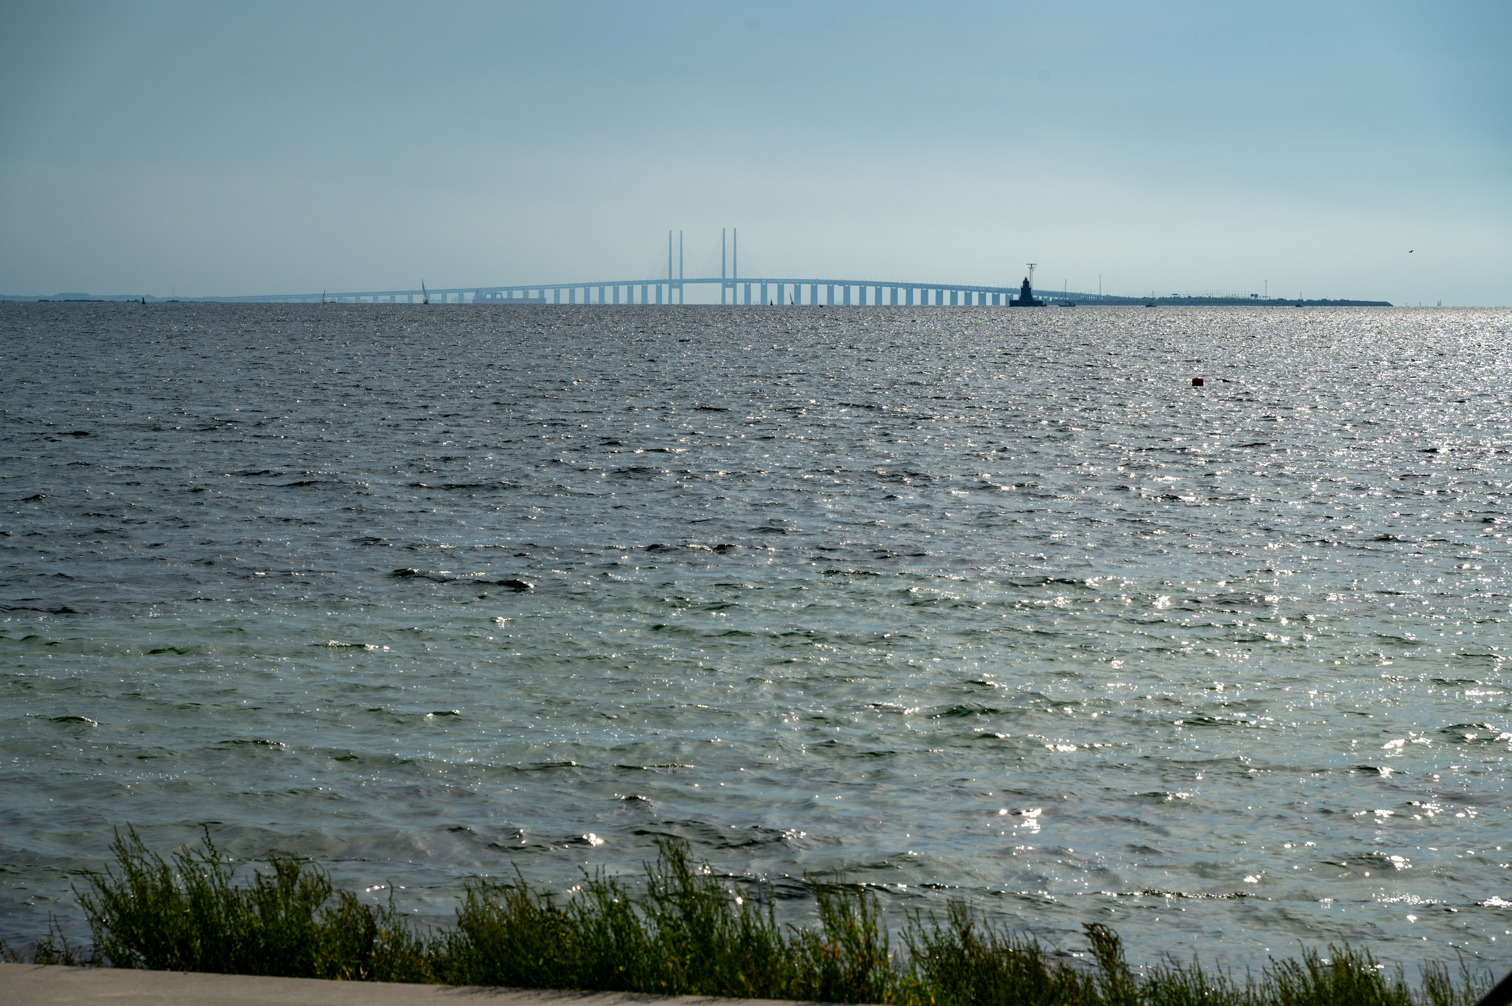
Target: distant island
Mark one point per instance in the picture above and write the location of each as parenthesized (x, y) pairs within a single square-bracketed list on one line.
[(1183, 301)]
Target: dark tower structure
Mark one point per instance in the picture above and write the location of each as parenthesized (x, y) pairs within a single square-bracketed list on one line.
[(1026, 297)]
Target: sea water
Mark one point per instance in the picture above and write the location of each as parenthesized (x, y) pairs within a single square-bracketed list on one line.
[(975, 604)]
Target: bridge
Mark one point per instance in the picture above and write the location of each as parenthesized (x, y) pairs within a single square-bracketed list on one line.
[(733, 289), (737, 289), (751, 290)]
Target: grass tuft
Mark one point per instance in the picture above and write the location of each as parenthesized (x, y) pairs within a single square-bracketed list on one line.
[(192, 916), (686, 932)]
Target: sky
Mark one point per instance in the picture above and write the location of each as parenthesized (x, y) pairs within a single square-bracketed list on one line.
[(1322, 149)]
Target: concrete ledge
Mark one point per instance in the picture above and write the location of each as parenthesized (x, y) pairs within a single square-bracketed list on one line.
[(44, 985)]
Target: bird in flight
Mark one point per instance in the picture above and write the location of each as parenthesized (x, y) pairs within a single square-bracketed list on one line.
[(1409, 251)]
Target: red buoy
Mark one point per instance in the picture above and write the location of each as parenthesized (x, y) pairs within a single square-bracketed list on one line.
[(1196, 382)]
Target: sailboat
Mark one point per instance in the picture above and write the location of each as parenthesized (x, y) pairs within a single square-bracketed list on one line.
[(424, 295)]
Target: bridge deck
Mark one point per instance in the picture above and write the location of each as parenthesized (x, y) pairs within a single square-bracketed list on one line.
[(744, 290)]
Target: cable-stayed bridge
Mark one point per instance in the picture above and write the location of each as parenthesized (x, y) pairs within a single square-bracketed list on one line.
[(736, 289), (733, 289), (752, 290)]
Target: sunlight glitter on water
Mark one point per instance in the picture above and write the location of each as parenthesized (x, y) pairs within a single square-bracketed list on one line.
[(964, 602)]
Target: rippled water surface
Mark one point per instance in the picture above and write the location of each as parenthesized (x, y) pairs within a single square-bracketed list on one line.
[(965, 602)]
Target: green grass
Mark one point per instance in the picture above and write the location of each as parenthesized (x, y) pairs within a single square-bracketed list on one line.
[(683, 931)]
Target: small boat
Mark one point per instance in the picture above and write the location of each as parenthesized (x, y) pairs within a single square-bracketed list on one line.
[(424, 294)]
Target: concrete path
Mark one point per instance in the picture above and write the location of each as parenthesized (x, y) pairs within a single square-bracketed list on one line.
[(44, 985)]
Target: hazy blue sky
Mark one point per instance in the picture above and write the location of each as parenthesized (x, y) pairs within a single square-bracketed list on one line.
[(210, 148)]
